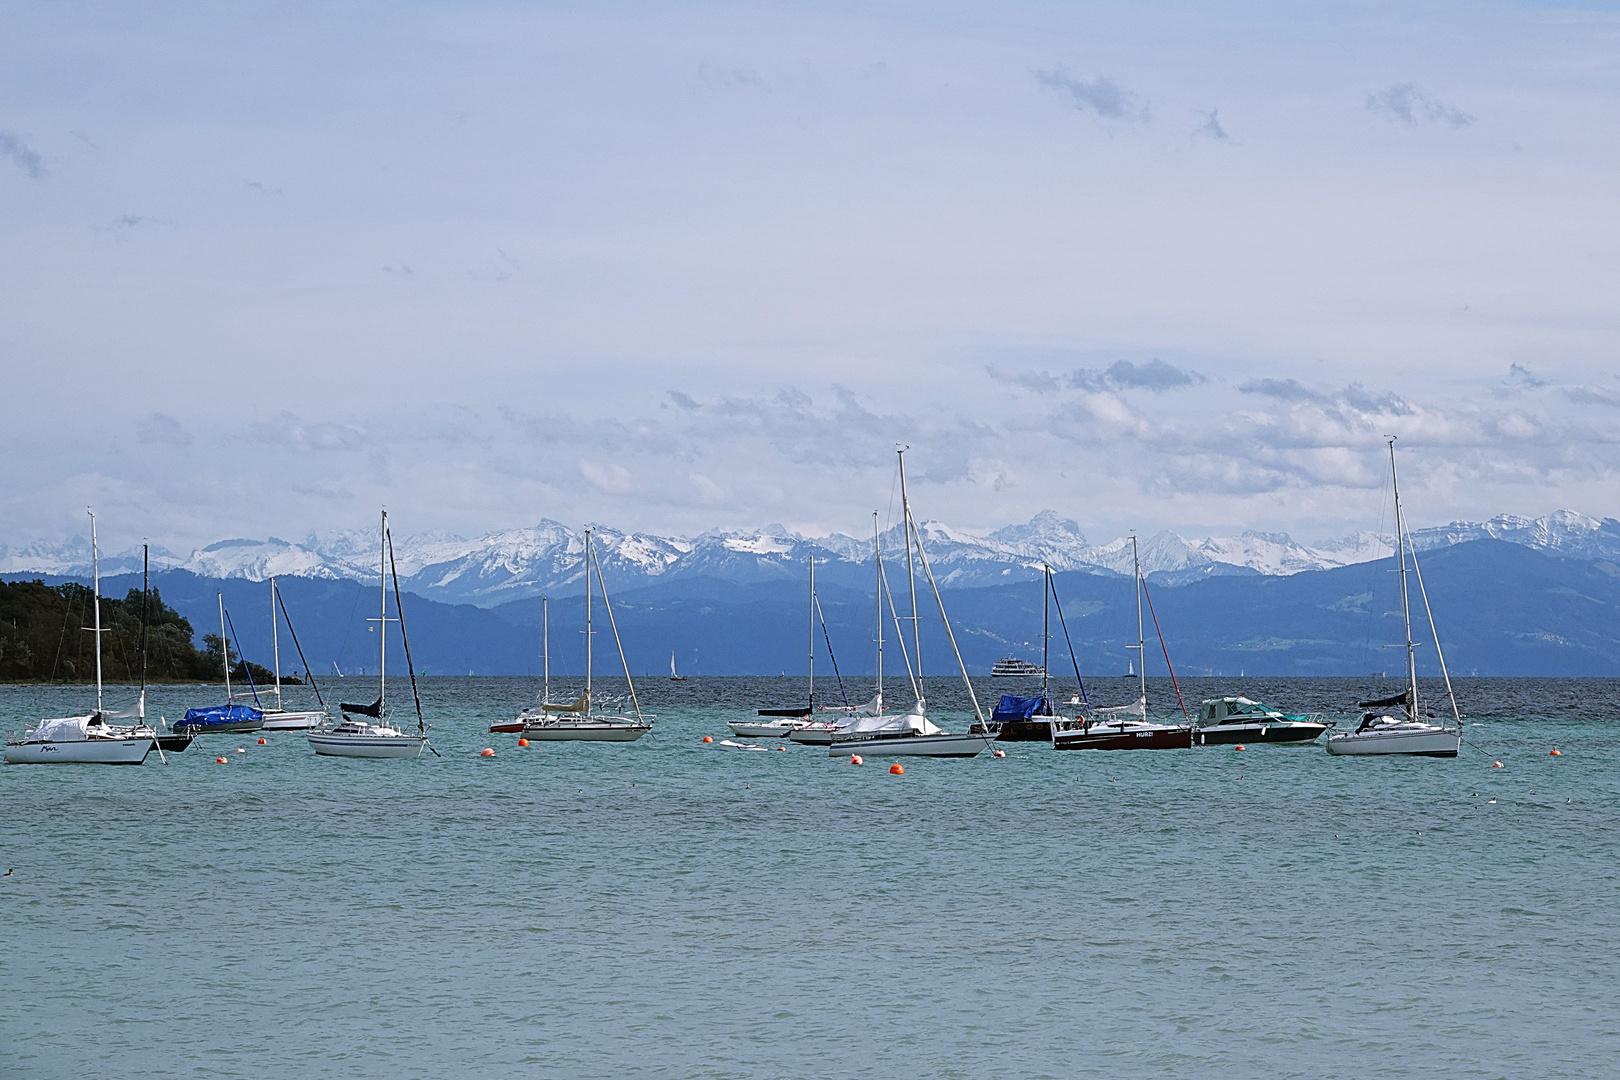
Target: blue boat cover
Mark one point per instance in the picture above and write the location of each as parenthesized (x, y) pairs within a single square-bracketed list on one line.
[(222, 714), (1020, 708)]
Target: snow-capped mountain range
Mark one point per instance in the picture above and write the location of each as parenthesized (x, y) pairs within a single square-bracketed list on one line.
[(548, 558)]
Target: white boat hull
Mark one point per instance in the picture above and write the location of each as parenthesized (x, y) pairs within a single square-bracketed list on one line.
[(1424, 740), (366, 746), (815, 735), (587, 731), (80, 752), (279, 720), (952, 746)]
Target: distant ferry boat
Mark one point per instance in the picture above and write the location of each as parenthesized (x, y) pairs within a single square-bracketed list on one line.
[(1011, 666)]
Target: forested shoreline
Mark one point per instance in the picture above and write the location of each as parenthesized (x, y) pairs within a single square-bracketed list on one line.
[(44, 637)]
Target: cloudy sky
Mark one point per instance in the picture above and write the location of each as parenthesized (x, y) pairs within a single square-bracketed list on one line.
[(683, 266)]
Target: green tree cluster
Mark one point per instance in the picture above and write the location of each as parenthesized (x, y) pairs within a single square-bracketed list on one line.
[(44, 638)]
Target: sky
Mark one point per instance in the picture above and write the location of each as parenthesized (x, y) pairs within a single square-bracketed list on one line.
[(675, 267)]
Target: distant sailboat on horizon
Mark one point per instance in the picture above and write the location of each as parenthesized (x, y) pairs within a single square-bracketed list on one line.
[(674, 676)]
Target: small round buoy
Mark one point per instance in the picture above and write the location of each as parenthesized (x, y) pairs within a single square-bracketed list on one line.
[(239, 750), (855, 759), (1240, 746), (998, 752), (523, 742), (488, 751), (263, 742), (221, 761), (1496, 765), (897, 769), (708, 738), (781, 748), (1555, 753)]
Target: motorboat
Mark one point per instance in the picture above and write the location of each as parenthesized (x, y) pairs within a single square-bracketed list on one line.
[(362, 738), (1406, 732), (1227, 721), (1009, 667)]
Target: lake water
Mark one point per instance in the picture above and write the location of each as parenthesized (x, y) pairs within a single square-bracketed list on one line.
[(671, 908)]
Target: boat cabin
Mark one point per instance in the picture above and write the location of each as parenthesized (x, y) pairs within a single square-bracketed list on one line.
[(1237, 710)]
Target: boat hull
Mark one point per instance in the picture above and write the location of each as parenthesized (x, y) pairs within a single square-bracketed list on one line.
[(586, 731), (80, 752), (1035, 730), (174, 744), (506, 727), (232, 727), (366, 746), (292, 721), (1248, 734), (1437, 742), (1102, 737), (771, 730), (945, 746)]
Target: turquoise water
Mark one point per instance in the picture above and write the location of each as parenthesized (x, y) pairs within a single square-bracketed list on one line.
[(672, 908)]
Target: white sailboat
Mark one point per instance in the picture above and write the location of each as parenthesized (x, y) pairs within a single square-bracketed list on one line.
[(576, 721), (782, 723), (278, 717), (1404, 733), (911, 733), (811, 732), (356, 738), (86, 740), (674, 676)]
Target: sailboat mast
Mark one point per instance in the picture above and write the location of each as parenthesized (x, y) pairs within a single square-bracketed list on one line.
[(95, 592), (587, 618), (1406, 606), (225, 648), (911, 574), (382, 619), (1046, 623), (275, 642), (545, 651), (877, 593), (1141, 637), (145, 618), (812, 632)]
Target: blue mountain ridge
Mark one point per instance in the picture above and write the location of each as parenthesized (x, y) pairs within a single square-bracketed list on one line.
[(1501, 609)]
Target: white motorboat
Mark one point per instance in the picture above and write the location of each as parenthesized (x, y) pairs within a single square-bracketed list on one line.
[(87, 740), (577, 721), (278, 717), (1227, 721), (1009, 667), (1406, 733), (356, 738)]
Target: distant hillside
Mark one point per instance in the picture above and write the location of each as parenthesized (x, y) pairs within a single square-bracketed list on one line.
[(1502, 609)]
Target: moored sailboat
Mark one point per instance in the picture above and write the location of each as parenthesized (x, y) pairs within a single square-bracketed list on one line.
[(1126, 727), (229, 718), (357, 738), (577, 721), (1406, 733), (911, 733), (87, 740), (278, 717)]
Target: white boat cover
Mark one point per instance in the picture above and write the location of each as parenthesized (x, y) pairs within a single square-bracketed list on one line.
[(911, 722), (871, 708), (67, 729), (583, 705), (1136, 708)]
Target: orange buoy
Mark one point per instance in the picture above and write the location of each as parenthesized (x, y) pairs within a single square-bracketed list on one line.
[(708, 738), (523, 742), (1555, 753), (855, 759), (1240, 746), (221, 761), (897, 769), (998, 752), (1496, 764), (781, 748), (488, 751), (263, 742)]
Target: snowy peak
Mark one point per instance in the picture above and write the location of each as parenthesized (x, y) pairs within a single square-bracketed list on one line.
[(548, 558)]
